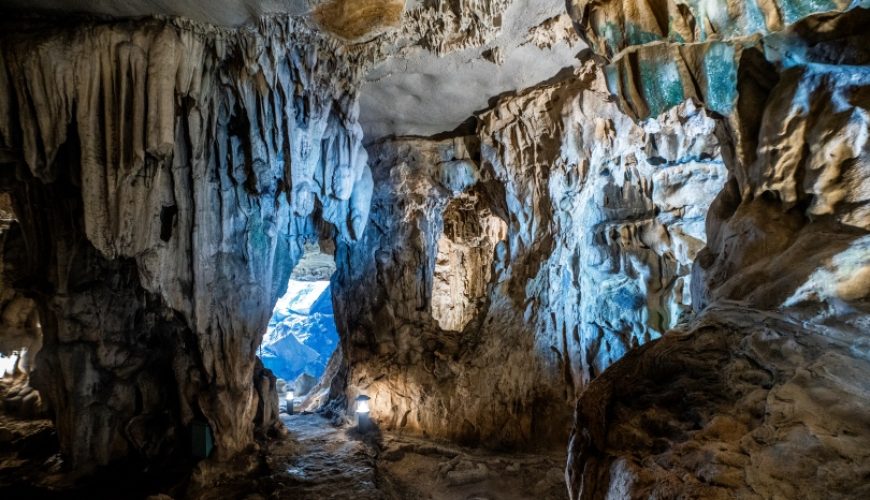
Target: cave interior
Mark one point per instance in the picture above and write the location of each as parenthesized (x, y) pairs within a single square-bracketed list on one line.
[(435, 249)]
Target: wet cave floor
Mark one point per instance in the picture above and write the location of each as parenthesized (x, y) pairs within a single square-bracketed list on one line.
[(314, 460)]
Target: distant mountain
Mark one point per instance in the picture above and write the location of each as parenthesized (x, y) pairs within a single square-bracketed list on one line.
[(302, 334)]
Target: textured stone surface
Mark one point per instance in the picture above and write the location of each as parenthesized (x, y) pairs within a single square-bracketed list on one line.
[(611, 26), (764, 394), (572, 184), (20, 330), (171, 217), (452, 58), (463, 261), (415, 468), (359, 19), (443, 59), (673, 229), (220, 12), (743, 403)]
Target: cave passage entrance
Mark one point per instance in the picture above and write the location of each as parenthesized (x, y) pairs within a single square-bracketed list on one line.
[(302, 335)]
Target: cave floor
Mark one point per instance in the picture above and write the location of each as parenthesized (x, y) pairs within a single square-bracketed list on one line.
[(314, 460), (321, 461), (417, 468), (334, 462), (325, 462)]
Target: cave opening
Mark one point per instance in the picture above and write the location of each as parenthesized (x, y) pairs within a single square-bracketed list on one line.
[(302, 335)]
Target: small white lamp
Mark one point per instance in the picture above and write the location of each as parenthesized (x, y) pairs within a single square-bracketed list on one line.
[(363, 421), (289, 399)]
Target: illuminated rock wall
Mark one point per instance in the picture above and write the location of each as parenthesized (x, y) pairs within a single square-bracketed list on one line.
[(673, 230), (763, 395), (166, 175), (599, 220)]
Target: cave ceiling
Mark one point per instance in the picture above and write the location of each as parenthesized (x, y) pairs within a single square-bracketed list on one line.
[(441, 60), (219, 12)]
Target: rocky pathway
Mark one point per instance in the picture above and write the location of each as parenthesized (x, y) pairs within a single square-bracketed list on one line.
[(413, 468), (329, 462), (314, 461)]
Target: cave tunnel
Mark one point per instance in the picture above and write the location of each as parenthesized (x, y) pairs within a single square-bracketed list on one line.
[(477, 249), (302, 335)]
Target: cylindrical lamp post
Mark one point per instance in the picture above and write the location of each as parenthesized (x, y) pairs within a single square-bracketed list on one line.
[(363, 421), (288, 398)]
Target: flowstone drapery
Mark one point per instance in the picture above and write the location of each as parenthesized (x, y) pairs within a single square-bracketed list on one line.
[(166, 175)]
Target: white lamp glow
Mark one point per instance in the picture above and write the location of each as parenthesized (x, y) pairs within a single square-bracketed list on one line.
[(363, 422), (362, 407)]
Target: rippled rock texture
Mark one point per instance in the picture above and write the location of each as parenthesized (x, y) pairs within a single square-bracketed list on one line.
[(670, 233), (166, 175), (743, 403), (570, 231), (764, 394)]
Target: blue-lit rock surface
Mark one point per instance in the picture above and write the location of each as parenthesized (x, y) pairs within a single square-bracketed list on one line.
[(764, 393), (178, 212), (662, 239), (511, 267)]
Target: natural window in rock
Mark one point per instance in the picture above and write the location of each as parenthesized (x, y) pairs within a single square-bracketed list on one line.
[(8, 363), (302, 335), (463, 264)]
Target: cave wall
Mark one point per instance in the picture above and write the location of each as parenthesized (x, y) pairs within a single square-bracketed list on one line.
[(166, 175), (599, 220), (764, 393), (674, 231)]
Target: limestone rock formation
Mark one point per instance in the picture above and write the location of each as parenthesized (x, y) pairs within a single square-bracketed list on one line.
[(20, 331), (761, 396), (452, 58), (161, 230), (650, 216), (358, 20), (743, 403), (571, 207), (447, 58), (21, 337), (611, 26), (463, 262)]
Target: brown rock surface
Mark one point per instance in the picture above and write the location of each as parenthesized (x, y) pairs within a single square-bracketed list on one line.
[(598, 220), (161, 229), (669, 238), (358, 19), (763, 395), (742, 403)]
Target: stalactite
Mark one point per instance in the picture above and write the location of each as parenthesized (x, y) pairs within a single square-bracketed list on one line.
[(198, 156)]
